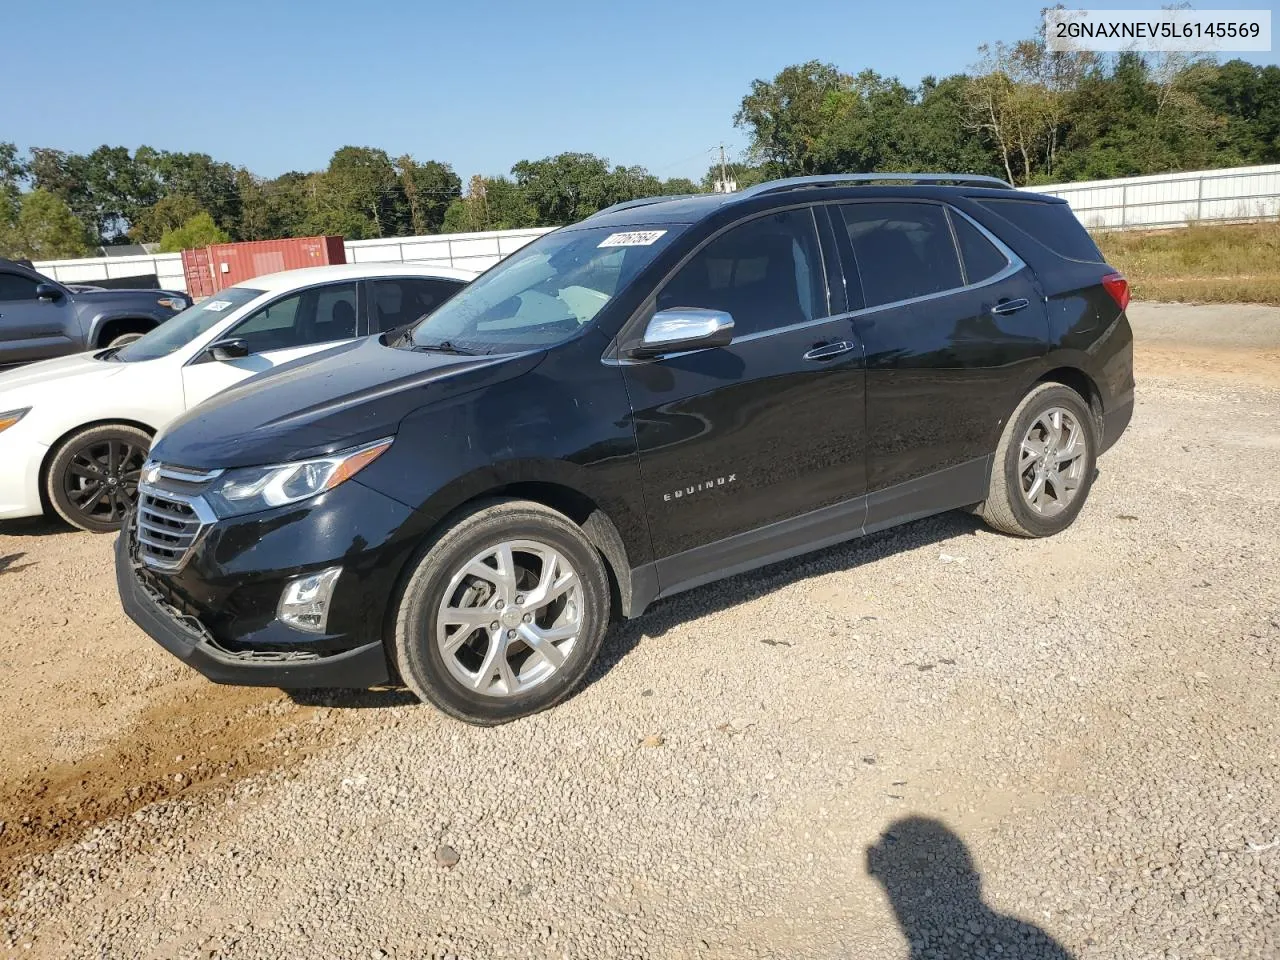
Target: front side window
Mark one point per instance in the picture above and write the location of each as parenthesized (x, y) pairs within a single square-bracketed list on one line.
[(766, 273), (903, 250), (400, 301), (193, 322), (14, 286), (545, 292), (316, 315)]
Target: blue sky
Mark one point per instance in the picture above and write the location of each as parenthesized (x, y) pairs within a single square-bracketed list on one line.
[(278, 86)]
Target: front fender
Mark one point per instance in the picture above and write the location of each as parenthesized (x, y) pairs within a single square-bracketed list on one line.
[(92, 321)]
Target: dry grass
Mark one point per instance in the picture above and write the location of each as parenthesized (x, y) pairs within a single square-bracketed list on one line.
[(1224, 263)]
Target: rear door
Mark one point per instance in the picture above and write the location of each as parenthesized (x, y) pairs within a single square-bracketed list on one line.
[(293, 326), (32, 329), (736, 439), (954, 322)]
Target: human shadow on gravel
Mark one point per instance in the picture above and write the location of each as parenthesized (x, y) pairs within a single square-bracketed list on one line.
[(936, 893)]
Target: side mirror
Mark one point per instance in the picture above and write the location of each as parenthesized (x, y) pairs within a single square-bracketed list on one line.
[(232, 349), (48, 292), (683, 328)]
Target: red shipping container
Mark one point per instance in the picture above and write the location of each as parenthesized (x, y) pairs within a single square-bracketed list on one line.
[(221, 265)]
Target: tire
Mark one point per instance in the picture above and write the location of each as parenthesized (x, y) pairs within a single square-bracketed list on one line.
[(86, 462), (124, 340), (1015, 504), (457, 667)]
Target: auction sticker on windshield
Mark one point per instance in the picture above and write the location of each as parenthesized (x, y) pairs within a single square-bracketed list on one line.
[(636, 238), (217, 306)]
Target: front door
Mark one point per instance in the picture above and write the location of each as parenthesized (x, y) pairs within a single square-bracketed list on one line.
[(30, 328), (738, 442), (293, 326)]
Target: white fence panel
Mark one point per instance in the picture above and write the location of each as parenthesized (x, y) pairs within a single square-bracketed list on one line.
[(1173, 199)]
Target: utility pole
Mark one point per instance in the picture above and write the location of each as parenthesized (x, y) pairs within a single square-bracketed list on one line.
[(723, 178), (724, 184)]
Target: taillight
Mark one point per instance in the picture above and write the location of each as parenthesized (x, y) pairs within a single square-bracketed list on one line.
[(1118, 287)]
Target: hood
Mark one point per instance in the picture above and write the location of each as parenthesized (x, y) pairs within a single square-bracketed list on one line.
[(54, 374), (345, 396)]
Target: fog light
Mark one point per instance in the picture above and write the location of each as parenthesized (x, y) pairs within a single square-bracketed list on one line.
[(304, 604)]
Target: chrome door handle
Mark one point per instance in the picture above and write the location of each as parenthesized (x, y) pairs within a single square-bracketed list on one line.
[(1005, 307), (827, 351)]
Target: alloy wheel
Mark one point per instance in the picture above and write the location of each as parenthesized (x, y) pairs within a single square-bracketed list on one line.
[(101, 481), (509, 618), (1052, 461)]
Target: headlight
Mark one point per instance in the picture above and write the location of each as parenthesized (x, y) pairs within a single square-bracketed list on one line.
[(7, 420), (173, 303), (249, 489)]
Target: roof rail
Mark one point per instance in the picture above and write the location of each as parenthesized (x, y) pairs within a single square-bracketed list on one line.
[(835, 179), (642, 202)]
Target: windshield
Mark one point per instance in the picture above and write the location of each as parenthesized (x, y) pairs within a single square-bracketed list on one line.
[(543, 293), (187, 325)]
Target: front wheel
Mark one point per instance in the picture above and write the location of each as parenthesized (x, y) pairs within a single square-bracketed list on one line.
[(124, 340), (503, 615), (1043, 467), (93, 478)]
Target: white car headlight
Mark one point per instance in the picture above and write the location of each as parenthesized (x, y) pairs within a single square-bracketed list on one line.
[(250, 489), (10, 417), (176, 304)]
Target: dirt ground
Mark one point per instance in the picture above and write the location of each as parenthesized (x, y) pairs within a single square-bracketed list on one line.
[(92, 709)]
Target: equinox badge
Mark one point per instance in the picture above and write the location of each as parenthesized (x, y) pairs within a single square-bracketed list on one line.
[(699, 487)]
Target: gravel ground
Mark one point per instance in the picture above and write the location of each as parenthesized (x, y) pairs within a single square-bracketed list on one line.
[(934, 742)]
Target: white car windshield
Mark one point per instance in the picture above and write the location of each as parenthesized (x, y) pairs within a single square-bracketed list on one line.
[(187, 325), (543, 293)]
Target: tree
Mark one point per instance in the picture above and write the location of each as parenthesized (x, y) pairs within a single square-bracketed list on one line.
[(43, 229), (570, 186), (491, 203), (166, 214), (199, 231), (788, 116), (211, 183), (358, 197), (429, 189), (13, 173)]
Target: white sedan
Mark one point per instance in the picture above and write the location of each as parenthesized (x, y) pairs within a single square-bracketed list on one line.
[(75, 431)]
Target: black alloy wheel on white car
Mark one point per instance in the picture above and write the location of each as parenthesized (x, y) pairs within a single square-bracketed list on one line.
[(92, 478)]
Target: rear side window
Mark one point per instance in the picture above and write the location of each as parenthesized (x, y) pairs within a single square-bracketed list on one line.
[(903, 250), (981, 259), (1053, 224)]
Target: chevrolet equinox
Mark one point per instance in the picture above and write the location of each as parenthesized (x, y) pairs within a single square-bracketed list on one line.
[(669, 392)]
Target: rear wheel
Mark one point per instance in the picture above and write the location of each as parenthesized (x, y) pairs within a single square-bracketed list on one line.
[(503, 614), (1043, 467), (93, 477)]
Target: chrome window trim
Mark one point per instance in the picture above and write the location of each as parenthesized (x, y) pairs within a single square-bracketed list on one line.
[(1014, 265)]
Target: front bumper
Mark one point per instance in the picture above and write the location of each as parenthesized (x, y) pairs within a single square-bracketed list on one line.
[(217, 613), (20, 477), (184, 637)]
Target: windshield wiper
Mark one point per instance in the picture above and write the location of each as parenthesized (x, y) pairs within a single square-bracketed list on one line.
[(444, 346)]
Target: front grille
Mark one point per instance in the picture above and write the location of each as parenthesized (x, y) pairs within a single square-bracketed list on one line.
[(171, 515), (167, 530)]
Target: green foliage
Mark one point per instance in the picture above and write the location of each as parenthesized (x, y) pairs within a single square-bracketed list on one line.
[(358, 197), (41, 227), (429, 189), (199, 231), (166, 214)]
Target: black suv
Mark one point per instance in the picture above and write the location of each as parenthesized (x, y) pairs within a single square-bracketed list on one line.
[(669, 392)]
